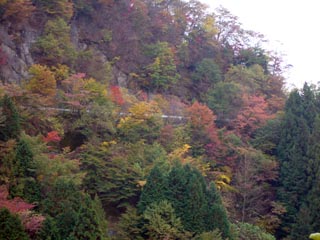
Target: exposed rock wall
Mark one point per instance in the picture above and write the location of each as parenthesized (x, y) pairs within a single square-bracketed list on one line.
[(16, 51)]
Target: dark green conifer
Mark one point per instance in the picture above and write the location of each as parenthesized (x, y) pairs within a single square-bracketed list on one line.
[(155, 189), (24, 160), (88, 225), (216, 215), (294, 153), (309, 212), (10, 128), (11, 227), (199, 207), (187, 192)]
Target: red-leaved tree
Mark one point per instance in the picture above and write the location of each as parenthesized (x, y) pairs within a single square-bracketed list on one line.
[(31, 221), (254, 114), (116, 95), (204, 130), (52, 137)]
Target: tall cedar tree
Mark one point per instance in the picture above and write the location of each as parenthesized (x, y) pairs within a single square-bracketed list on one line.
[(155, 190), (197, 206), (11, 126), (313, 200), (308, 215), (87, 225), (292, 150), (24, 183)]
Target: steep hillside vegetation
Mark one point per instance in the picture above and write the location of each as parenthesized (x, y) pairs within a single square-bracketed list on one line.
[(149, 119)]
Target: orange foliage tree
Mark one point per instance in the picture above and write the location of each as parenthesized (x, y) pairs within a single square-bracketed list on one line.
[(116, 95), (18, 11), (253, 114), (204, 130)]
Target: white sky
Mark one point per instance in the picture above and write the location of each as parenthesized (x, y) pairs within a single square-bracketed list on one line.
[(292, 27)]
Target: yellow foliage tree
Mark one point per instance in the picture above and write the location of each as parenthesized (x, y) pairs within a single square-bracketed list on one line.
[(143, 121), (42, 82)]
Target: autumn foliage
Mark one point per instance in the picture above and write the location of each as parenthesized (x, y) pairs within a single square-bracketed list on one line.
[(116, 95), (31, 221), (144, 99), (19, 11), (252, 115), (52, 136)]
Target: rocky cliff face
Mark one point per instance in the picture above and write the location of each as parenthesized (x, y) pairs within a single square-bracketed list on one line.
[(16, 52)]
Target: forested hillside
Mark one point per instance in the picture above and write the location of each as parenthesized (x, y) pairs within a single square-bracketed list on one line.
[(150, 119)]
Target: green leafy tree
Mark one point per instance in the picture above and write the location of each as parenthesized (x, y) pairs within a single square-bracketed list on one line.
[(215, 234), (162, 72), (60, 8), (252, 79), (267, 137), (251, 56), (54, 46), (97, 124), (100, 217), (143, 122), (42, 81), (117, 172), (207, 74), (226, 100), (246, 231)]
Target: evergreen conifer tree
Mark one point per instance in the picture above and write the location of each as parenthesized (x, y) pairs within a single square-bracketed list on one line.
[(314, 174), (309, 213), (155, 189), (187, 192), (11, 227), (11, 125), (294, 153), (87, 225), (199, 207)]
